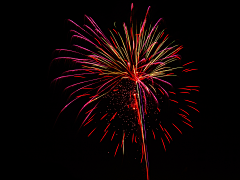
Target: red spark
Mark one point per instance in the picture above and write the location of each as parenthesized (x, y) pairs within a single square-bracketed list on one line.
[(169, 74), (185, 89), (188, 63), (171, 92), (161, 91), (116, 150), (97, 41), (187, 124), (103, 116), (168, 133), (183, 111), (187, 70), (107, 127), (193, 108), (185, 92), (153, 134), (173, 100), (113, 116), (91, 132), (184, 117), (115, 31), (190, 101), (177, 128), (83, 95), (89, 121), (167, 138), (113, 135), (163, 145), (161, 127), (104, 136), (195, 90), (113, 42)]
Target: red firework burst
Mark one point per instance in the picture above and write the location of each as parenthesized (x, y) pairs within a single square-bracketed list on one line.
[(132, 74)]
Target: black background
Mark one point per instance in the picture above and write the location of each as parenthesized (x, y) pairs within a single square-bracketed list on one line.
[(204, 152)]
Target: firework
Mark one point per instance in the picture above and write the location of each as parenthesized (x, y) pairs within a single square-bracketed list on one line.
[(130, 72)]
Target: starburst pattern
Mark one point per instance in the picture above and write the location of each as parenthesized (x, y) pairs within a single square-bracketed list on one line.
[(128, 76)]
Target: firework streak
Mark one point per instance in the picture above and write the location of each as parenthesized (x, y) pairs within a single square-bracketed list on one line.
[(142, 59)]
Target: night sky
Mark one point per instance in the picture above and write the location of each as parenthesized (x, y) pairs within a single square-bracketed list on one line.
[(203, 152)]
